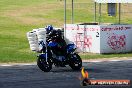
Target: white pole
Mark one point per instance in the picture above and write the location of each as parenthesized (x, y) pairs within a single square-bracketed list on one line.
[(100, 13), (95, 13), (72, 18), (65, 18), (119, 13)]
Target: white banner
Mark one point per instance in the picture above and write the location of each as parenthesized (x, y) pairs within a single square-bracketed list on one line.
[(101, 38)]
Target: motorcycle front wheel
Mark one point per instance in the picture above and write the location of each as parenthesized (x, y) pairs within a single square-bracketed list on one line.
[(43, 65), (75, 62)]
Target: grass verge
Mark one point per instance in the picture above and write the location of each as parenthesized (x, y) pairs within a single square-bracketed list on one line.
[(20, 16), (99, 56)]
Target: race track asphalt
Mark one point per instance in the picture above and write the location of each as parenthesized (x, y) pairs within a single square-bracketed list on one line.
[(30, 76)]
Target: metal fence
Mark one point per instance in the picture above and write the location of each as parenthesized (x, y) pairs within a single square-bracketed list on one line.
[(84, 12)]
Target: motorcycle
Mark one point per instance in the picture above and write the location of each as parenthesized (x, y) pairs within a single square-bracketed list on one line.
[(56, 52)]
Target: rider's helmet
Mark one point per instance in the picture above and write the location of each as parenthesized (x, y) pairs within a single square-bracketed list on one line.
[(49, 28)]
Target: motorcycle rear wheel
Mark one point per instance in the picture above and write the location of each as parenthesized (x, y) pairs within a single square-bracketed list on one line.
[(75, 62), (43, 65)]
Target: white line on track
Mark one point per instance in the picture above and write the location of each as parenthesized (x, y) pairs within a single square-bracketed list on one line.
[(91, 61), (5, 65), (18, 64), (106, 60), (115, 60), (94, 61)]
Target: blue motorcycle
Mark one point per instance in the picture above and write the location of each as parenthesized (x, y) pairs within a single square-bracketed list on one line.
[(56, 52)]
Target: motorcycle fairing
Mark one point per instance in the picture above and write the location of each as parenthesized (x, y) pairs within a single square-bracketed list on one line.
[(52, 44), (71, 48)]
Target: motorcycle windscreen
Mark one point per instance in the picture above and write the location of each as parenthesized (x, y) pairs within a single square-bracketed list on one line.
[(42, 56)]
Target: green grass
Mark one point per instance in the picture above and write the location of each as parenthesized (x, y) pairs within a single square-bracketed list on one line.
[(98, 56), (20, 16)]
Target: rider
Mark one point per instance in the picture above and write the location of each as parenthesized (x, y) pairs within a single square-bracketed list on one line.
[(56, 35)]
